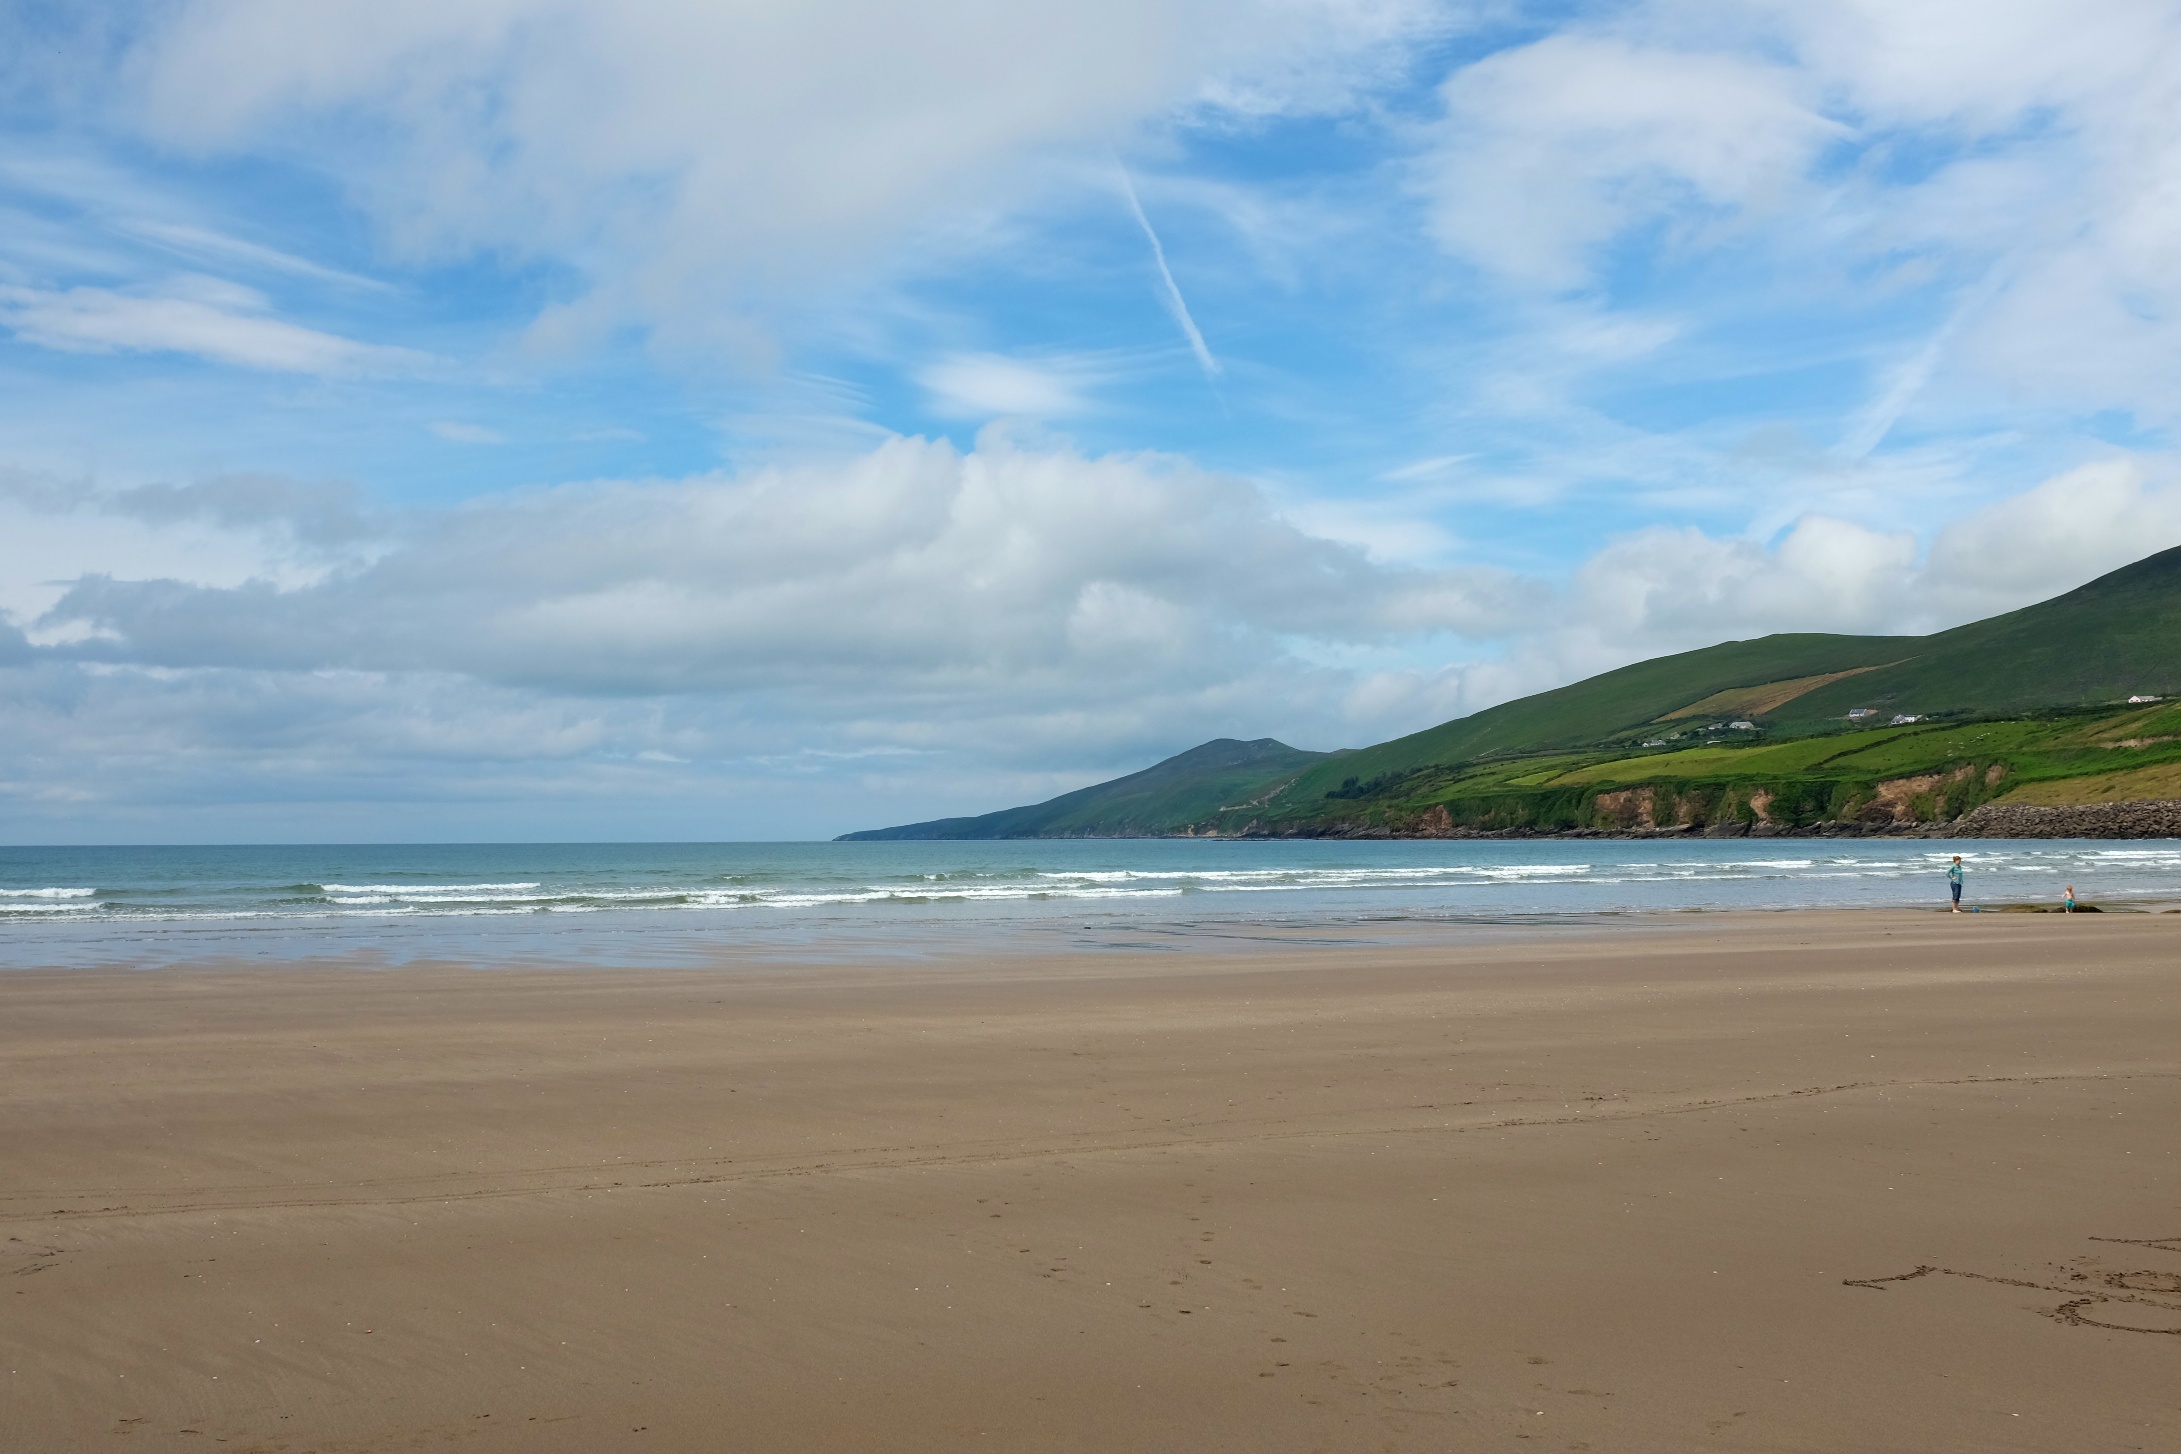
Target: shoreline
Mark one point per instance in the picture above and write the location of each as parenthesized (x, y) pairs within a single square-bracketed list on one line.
[(907, 948)]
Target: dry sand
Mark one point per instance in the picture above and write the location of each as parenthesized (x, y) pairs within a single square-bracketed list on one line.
[(1617, 1188)]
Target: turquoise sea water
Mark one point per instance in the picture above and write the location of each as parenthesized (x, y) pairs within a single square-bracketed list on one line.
[(664, 901)]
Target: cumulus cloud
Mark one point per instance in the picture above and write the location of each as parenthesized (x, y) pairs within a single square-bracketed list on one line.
[(1664, 589), (1664, 585), (2071, 528), (918, 570), (223, 531)]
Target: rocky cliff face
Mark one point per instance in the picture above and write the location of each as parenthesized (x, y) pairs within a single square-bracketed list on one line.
[(2151, 818)]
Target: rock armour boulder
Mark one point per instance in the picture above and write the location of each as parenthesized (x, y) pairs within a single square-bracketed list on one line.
[(2145, 818)]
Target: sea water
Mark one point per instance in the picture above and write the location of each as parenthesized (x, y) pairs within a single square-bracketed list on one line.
[(661, 902)]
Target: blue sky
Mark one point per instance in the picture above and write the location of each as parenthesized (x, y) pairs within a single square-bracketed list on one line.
[(537, 418)]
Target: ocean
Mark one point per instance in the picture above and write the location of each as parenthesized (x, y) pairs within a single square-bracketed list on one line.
[(682, 902)]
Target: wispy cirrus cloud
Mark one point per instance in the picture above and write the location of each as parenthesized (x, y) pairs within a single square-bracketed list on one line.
[(616, 135), (217, 322), (2008, 171), (204, 243)]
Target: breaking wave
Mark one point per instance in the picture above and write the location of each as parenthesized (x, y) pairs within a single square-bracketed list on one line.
[(395, 883)]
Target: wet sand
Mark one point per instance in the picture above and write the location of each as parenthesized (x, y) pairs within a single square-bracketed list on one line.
[(1630, 1186)]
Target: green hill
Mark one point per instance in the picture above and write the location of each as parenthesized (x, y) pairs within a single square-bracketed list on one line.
[(2117, 637), (1756, 732), (1167, 798)]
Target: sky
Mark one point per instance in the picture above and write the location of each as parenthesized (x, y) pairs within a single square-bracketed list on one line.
[(487, 420)]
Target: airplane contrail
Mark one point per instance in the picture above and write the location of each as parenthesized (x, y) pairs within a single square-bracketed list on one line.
[(1870, 426), (1175, 304)]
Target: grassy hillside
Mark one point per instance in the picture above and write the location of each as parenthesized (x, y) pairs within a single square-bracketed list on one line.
[(1200, 785), (2116, 637), (1617, 704), (2023, 707)]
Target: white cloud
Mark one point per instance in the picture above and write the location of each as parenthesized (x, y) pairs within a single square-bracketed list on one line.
[(1554, 148), (2027, 155), (1666, 589), (220, 323), (684, 151), (1978, 65), (41, 554), (221, 533), (1005, 574), (2070, 529), (987, 386)]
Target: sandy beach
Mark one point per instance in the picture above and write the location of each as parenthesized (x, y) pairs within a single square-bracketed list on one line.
[(1619, 1186)]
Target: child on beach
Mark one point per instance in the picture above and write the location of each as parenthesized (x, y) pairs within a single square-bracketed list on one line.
[(1953, 881), (2069, 902)]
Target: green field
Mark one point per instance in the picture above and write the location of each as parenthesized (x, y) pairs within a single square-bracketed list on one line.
[(1732, 762), (1887, 777)]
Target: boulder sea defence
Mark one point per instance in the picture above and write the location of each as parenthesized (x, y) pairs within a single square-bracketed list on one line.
[(2143, 818)]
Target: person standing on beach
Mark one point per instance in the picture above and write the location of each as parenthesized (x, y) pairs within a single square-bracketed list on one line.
[(1953, 881), (2069, 902)]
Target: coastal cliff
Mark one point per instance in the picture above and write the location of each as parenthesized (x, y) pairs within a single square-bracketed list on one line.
[(2159, 818), (1885, 816)]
